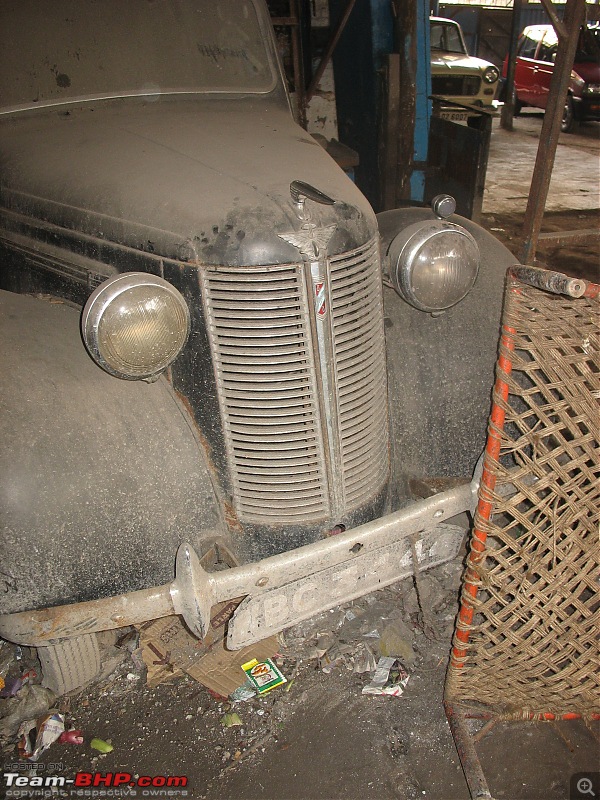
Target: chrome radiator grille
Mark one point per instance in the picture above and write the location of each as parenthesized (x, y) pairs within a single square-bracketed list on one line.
[(266, 357), (359, 348), (458, 85)]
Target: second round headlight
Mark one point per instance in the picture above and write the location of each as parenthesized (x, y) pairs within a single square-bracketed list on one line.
[(491, 75), (135, 324), (433, 265)]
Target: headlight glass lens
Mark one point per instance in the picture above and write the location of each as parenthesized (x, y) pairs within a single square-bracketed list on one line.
[(491, 75), (435, 265), (135, 325)]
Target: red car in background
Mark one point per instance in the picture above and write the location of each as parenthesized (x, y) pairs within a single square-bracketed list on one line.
[(536, 53)]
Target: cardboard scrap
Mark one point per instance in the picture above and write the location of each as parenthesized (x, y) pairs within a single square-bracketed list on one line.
[(168, 647), (221, 670), (155, 644), (169, 650)]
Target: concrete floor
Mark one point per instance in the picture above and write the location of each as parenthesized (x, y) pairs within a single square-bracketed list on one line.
[(575, 183)]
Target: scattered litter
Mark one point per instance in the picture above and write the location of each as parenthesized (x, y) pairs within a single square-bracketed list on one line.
[(10, 686), (219, 670), (396, 641), (364, 660), (101, 746), (129, 641), (243, 692), (169, 650), (6, 660), (158, 639), (29, 704), (230, 719), (324, 642), (390, 678), (264, 675), (334, 656), (71, 737), (374, 634), (15, 670), (45, 732)]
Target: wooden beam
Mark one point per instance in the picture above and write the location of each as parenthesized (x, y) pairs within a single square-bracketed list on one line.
[(542, 172)]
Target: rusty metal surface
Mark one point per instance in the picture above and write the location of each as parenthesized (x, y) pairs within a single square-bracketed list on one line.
[(194, 591), (554, 282), (469, 760)]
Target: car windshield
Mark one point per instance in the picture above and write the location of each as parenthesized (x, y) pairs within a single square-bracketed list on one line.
[(69, 50), (446, 36), (589, 44)]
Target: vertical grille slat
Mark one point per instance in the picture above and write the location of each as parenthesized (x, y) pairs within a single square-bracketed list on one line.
[(361, 372), (267, 372)]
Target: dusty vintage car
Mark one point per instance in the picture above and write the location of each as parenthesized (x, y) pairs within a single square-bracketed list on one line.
[(204, 396), (536, 53), (455, 75)]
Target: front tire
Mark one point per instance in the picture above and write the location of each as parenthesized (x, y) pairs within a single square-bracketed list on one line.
[(517, 105), (568, 119), (70, 664)]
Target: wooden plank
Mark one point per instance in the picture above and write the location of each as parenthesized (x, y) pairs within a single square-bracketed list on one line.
[(390, 123), (583, 236)]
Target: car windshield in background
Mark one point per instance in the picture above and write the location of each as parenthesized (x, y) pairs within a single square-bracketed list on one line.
[(447, 38), (49, 57), (589, 44), (588, 48)]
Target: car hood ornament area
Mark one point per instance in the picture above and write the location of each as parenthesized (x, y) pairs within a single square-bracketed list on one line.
[(311, 240)]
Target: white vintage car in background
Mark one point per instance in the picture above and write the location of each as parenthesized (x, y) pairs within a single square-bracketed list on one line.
[(457, 76)]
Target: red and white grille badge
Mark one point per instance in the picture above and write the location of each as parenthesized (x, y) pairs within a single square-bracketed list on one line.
[(320, 304)]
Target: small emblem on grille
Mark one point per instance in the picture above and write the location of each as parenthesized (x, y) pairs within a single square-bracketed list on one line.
[(310, 240), (320, 303)]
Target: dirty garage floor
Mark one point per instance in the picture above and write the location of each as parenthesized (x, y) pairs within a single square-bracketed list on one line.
[(322, 739)]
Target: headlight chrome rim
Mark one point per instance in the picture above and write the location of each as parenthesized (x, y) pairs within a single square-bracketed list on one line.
[(404, 252), (151, 352), (491, 74)]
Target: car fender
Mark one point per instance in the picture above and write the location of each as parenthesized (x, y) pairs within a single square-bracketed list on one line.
[(441, 368), (101, 479)]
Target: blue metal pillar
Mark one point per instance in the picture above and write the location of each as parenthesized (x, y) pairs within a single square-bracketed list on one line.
[(358, 58)]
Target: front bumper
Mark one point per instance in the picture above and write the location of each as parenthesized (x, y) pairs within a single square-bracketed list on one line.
[(279, 591), (588, 108)]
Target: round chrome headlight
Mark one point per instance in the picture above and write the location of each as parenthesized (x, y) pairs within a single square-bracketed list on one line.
[(135, 324), (433, 265), (491, 75)]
